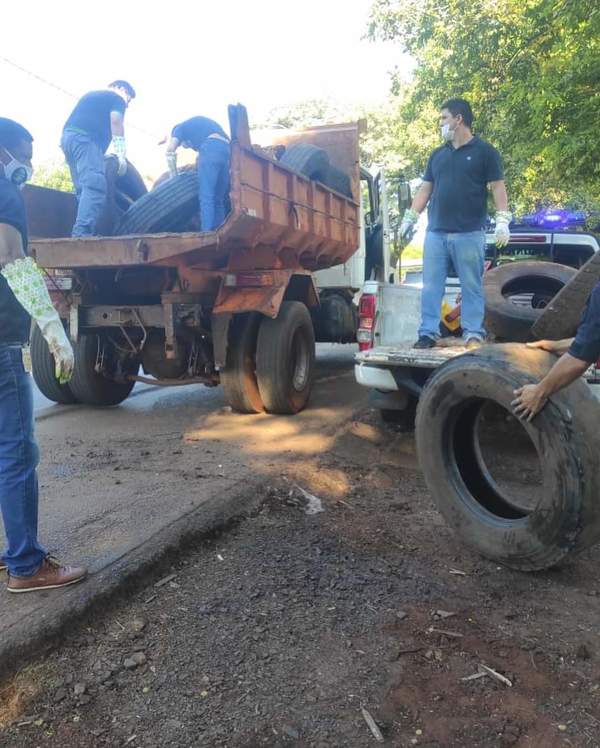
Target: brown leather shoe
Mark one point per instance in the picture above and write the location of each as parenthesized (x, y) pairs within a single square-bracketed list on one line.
[(50, 576)]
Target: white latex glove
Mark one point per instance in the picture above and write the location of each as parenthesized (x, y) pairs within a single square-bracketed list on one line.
[(120, 149), (172, 162), (26, 281), (502, 232), (407, 226)]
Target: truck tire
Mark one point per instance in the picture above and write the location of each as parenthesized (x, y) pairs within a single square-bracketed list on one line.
[(285, 359), (42, 370), (169, 207), (566, 518), (238, 378), (131, 183), (561, 317), (306, 159), (335, 320), (88, 386), (338, 181), (510, 321)]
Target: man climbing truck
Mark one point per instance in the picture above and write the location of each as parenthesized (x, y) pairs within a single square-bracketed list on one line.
[(237, 306)]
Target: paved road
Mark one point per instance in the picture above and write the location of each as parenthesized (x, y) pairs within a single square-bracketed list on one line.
[(119, 485)]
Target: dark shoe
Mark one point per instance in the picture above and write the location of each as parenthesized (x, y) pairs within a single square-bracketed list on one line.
[(424, 342), (473, 342), (50, 576)]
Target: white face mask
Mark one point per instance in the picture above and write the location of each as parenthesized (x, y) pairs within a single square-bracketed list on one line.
[(447, 133), (16, 171)]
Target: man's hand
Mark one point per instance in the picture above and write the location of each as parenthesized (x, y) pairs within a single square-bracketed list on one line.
[(61, 350), (407, 226), (529, 401), (552, 346), (502, 232)]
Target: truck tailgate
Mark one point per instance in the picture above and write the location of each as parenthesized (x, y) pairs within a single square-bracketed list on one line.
[(403, 354)]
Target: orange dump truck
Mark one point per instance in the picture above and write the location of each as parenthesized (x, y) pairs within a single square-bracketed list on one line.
[(237, 306)]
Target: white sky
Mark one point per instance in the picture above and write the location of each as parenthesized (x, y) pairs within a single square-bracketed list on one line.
[(184, 59)]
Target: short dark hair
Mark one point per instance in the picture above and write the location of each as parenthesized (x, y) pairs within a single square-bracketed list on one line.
[(12, 133), (123, 84), (459, 106)]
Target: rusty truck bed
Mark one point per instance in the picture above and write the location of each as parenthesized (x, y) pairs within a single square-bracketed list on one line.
[(278, 219)]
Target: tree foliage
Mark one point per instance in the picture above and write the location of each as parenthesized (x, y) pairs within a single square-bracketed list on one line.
[(53, 175), (530, 68)]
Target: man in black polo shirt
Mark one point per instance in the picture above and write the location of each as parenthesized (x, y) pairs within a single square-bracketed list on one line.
[(455, 185), (23, 295), (208, 138), (97, 119), (576, 355)]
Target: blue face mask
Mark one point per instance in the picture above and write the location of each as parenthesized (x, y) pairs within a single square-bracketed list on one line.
[(16, 171)]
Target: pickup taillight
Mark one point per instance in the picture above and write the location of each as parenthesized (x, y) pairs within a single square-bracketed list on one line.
[(367, 309)]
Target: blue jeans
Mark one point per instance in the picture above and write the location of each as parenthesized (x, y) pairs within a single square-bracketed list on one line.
[(213, 182), (18, 461), (467, 253), (86, 163)]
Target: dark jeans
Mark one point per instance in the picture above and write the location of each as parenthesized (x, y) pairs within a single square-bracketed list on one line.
[(213, 182), (18, 461), (86, 163)]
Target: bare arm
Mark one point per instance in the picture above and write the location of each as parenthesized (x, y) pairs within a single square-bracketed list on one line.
[(553, 346), (11, 245), (531, 398), (499, 194), (117, 124), (421, 199)]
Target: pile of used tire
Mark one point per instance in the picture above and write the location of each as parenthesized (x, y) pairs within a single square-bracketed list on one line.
[(172, 204)]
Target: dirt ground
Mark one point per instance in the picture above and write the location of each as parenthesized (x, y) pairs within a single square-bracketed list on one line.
[(295, 626)]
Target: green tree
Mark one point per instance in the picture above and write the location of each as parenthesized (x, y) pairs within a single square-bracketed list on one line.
[(54, 175), (531, 70)]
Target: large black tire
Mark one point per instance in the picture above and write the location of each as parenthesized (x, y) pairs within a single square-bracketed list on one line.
[(90, 387), (169, 207), (131, 183), (285, 359), (43, 371), (238, 378), (337, 180), (566, 518), (306, 159), (561, 317), (512, 322)]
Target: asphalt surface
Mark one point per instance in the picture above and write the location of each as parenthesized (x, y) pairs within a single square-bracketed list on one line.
[(120, 486)]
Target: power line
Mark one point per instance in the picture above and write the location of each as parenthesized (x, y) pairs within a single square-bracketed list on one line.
[(64, 91)]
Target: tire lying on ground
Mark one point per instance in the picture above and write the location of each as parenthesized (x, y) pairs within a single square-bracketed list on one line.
[(566, 518), (43, 371), (561, 317), (306, 159), (536, 282), (285, 359), (90, 387), (169, 207), (238, 377)]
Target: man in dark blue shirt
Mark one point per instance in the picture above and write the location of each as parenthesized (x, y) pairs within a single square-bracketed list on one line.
[(576, 355), (97, 119), (208, 138), (455, 186), (23, 296)]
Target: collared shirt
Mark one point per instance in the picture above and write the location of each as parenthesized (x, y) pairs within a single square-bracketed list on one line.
[(586, 345), (14, 320), (460, 176)]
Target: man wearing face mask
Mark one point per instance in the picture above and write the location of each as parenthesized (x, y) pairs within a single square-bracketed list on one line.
[(97, 119), (23, 296), (455, 187)]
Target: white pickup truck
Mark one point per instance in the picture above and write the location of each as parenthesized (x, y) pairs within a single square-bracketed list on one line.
[(389, 315)]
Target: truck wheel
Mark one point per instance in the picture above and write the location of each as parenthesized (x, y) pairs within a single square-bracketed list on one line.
[(169, 207), (565, 518), (306, 159), (515, 292), (285, 359), (89, 386), (561, 317), (239, 375), (42, 369)]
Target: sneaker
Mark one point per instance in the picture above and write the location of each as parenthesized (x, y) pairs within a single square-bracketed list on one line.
[(473, 342), (424, 342), (50, 576)]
